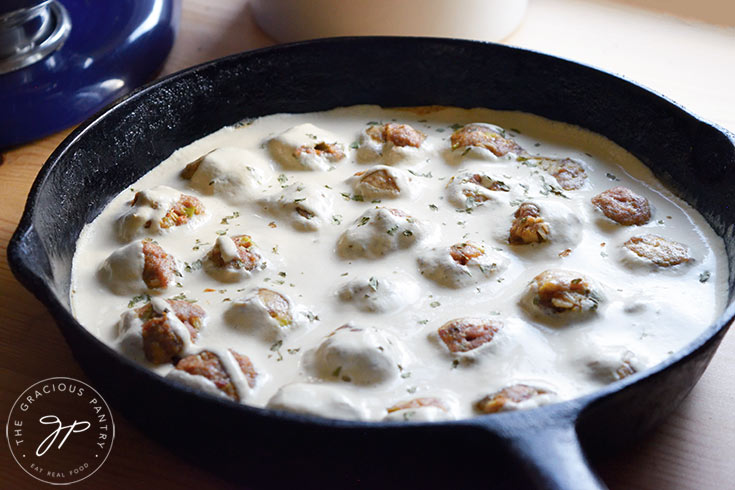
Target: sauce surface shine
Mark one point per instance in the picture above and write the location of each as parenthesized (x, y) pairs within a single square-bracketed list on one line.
[(403, 264)]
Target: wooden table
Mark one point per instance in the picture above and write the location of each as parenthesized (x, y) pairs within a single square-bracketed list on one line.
[(689, 62)]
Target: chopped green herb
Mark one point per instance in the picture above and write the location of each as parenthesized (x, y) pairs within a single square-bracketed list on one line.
[(336, 372), (194, 266), (182, 297), (418, 174), (455, 363), (363, 221), (704, 276), (141, 297), (337, 219), (392, 230), (433, 207), (407, 233), (434, 304), (373, 283)]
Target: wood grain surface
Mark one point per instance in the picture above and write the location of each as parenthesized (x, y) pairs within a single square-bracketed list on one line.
[(693, 449)]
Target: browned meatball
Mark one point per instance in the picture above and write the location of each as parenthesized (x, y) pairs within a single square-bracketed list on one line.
[(380, 179), (181, 212), (207, 364), (660, 251), (160, 268), (398, 134), (624, 206), (483, 137), (329, 151), (569, 174), (466, 334), (462, 253), (488, 183), (528, 226), (418, 403), (160, 342), (561, 291), (277, 305), (496, 402), (247, 258), (188, 172), (624, 370)]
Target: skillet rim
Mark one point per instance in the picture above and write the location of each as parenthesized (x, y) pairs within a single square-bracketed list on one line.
[(573, 408)]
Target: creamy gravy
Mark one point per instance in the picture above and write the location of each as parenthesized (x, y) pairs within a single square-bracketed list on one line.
[(344, 260)]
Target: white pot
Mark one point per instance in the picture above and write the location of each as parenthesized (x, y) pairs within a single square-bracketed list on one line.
[(295, 20)]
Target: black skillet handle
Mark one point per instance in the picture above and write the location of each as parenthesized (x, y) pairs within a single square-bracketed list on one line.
[(545, 448)]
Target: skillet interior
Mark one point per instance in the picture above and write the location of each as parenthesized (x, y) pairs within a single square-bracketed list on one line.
[(118, 146)]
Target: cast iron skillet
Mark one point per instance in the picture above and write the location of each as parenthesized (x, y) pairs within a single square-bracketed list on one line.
[(540, 447)]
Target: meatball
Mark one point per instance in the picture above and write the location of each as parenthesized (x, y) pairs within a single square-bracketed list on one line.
[(304, 208), (514, 397), (380, 231), (233, 258), (378, 294), (319, 400), (543, 227), (364, 356), (167, 328), (426, 409), (418, 403), (234, 174), (328, 151), (528, 226), (555, 292), (658, 250), (211, 367), (469, 189), (138, 265), (624, 206), (396, 134), (392, 141), (264, 312), (156, 210), (160, 268), (306, 147), (380, 182), (182, 211), (460, 265), (610, 363), (466, 334), (277, 305), (568, 173), (486, 136)]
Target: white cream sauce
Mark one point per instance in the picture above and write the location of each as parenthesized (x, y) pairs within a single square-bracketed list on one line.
[(648, 314)]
